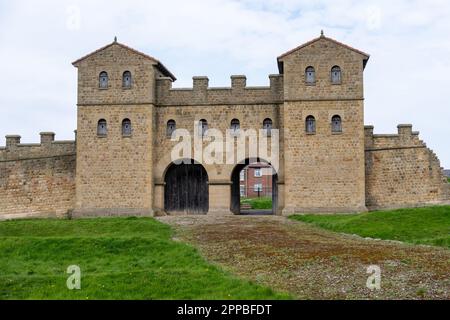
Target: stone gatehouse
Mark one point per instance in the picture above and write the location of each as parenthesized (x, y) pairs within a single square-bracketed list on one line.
[(120, 162)]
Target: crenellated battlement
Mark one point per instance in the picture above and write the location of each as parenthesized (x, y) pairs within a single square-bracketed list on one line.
[(401, 171), (127, 110), (404, 138), (37, 179), (202, 94), (48, 147)]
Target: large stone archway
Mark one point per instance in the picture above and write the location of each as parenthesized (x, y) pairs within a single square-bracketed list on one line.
[(186, 189), (235, 206)]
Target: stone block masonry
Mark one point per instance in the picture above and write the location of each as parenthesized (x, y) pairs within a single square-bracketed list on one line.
[(202, 94), (401, 171), (120, 162), (37, 180)]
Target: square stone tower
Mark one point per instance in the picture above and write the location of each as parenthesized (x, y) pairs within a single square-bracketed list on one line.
[(116, 87), (324, 127)]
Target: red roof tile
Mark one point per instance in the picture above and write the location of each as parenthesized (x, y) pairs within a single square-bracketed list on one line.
[(163, 69), (326, 38)]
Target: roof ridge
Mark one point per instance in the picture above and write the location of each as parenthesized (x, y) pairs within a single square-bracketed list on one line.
[(92, 53), (115, 42), (319, 38)]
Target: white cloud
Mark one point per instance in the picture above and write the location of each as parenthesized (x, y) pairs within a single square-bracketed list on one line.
[(406, 79)]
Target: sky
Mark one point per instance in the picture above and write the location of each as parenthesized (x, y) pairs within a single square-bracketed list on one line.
[(407, 78)]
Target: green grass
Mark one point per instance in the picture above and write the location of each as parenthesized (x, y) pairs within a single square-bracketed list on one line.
[(420, 226), (258, 203), (448, 179), (120, 258)]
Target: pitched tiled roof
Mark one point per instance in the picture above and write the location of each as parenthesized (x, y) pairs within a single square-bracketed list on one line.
[(160, 66), (279, 59), (326, 38)]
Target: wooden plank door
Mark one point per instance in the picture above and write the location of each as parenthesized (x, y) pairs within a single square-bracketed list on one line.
[(186, 189)]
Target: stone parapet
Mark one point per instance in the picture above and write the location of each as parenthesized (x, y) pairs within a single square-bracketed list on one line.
[(201, 94)]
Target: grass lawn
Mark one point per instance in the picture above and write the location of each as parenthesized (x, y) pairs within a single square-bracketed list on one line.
[(258, 203), (120, 258), (421, 225)]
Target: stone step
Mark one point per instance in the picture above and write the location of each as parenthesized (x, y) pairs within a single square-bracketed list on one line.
[(246, 206)]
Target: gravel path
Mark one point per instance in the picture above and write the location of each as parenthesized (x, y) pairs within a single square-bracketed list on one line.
[(312, 263)]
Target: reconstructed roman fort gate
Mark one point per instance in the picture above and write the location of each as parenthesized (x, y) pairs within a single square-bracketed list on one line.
[(120, 161)]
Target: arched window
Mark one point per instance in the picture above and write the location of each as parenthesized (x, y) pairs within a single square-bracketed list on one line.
[(103, 80), (171, 127), (235, 126), (203, 127), (126, 79), (336, 124), (102, 128), (267, 126), (126, 127), (336, 75), (310, 75), (310, 124)]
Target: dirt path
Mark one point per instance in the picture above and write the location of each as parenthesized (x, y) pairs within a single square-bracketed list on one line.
[(311, 263)]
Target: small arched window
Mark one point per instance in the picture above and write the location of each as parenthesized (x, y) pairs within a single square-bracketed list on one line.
[(126, 79), (102, 129), (336, 75), (203, 127), (310, 124), (267, 126), (235, 126), (310, 75), (336, 124), (171, 127), (103, 80), (126, 127)]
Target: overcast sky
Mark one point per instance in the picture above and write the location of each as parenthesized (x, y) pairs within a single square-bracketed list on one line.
[(407, 79)]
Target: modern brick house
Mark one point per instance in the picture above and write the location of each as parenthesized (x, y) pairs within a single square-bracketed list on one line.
[(255, 180), (120, 162)]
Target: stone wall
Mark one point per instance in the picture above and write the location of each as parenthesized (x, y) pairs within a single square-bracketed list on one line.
[(123, 174), (115, 59), (250, 116), (115, 170), (202, 94), (401, 171), (326, 169), (323, 54), (37, 179)]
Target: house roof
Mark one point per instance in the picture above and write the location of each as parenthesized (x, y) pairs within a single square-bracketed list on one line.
[(322, 37), (159, 65)]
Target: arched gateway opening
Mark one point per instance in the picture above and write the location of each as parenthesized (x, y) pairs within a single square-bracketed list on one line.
[(254, 188), (186, 188)]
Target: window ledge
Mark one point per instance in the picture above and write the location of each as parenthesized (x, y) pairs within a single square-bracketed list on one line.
[(337, 133), (127, 135), (127, 88), (100, 88), (102, 135), (310, 133), (310, 84), (336, 83)]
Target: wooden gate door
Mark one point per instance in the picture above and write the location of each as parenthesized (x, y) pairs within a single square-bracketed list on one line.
[(186, 189)]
